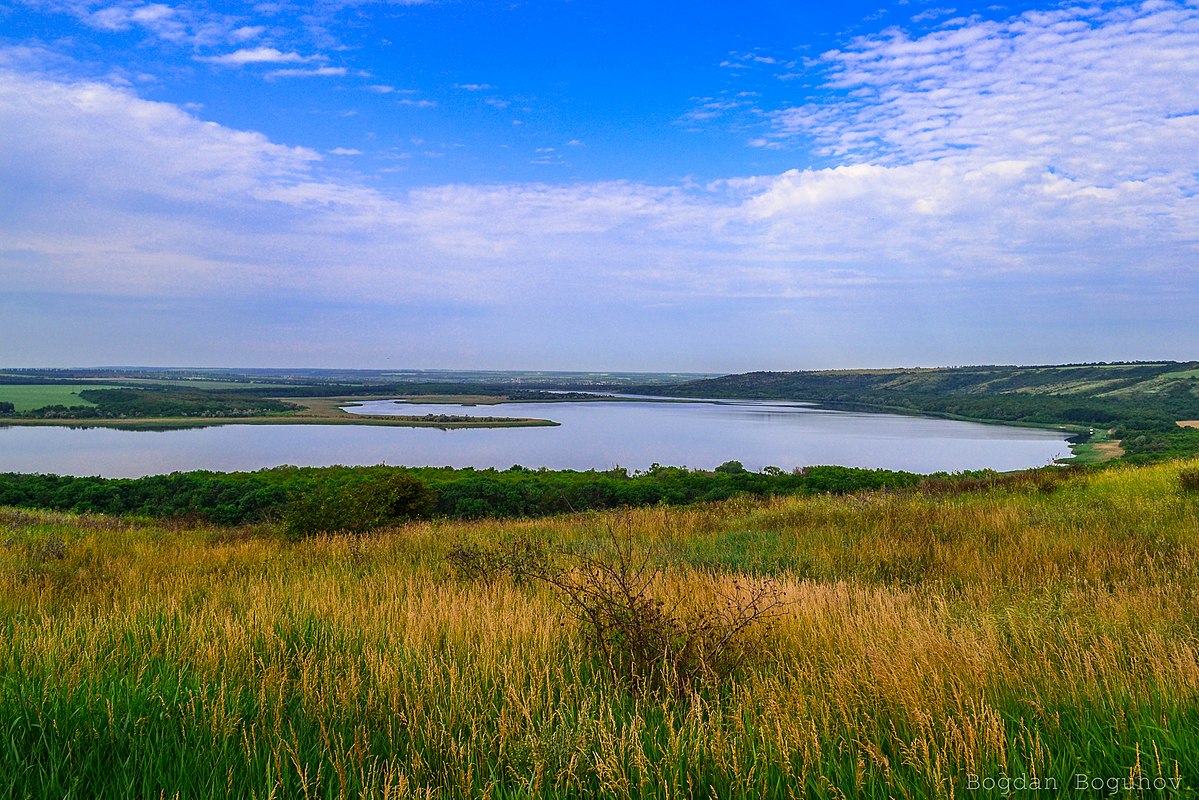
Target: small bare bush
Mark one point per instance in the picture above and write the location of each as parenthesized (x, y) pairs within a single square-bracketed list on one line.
[(655, 646), (520, 558), (616, 594)]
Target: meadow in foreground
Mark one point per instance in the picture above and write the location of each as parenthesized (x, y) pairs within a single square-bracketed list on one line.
[(929, 642)]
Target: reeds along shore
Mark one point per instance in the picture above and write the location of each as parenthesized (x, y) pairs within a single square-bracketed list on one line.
[(930, 645)]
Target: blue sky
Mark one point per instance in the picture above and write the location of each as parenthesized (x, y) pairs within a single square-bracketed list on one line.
[(585, 185)]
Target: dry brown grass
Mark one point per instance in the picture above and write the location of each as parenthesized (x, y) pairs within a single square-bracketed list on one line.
[(924, 638)]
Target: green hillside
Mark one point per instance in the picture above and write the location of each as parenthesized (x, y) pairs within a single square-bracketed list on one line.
[(1141, 402)]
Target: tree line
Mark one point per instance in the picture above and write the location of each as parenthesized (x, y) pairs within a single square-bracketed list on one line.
[(307, 499)]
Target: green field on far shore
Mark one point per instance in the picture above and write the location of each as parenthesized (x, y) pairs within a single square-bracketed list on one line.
[(27, 397)]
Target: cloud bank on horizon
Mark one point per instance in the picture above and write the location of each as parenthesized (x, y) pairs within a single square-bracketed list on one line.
[(951, 187)]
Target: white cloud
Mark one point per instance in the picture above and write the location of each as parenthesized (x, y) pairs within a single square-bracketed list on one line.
[(246, 32), (257, 55), (163, 21), (185, 23), (933, 13), (742, 61), (112, 18), (345, 151), (315, 72), (1053, 142), (761, 236), (1098, 95), (105, 204), (111, 194), (710, 108)]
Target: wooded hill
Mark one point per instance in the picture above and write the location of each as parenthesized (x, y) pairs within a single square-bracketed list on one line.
[(1142, 402)]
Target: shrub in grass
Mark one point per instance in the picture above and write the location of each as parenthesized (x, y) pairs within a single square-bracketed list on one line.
[(1188, 481), (518, 557), (647, 640), (659, 645)]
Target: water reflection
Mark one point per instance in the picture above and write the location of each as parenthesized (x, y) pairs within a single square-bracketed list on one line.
[(600, 435)]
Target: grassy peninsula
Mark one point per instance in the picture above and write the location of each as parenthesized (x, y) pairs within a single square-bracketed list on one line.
[(169, 407)]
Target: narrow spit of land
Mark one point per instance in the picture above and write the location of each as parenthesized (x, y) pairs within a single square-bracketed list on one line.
[(311, 411), (329, 410)]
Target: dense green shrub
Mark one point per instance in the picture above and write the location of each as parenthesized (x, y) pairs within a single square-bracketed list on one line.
[(358, 507)]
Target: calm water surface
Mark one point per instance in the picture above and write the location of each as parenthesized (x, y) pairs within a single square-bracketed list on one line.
[(601, 435)]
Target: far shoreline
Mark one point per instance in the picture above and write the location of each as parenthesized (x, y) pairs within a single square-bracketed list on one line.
[(312, 411)]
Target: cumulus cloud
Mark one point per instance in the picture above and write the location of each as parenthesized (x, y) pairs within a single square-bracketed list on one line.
[(111, 193), (128, 197)]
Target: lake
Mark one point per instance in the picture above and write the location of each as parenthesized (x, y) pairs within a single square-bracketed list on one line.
[(600, 435)]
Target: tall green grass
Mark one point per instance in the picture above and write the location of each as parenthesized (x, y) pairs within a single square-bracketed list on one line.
[(1042, 630)]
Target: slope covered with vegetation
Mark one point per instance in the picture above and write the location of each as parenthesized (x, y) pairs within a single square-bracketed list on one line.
[(1141, 402), (910, 642)]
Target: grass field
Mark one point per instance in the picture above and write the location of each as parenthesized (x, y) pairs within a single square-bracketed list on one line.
[(29, 397), (1038, 632), (1099, 449)]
